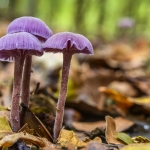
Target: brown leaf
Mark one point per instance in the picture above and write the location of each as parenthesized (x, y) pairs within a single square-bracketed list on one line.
[(9, 140), (110, 133), (26, 129), (123, 87), (34, 123), (49, 145), (88, 126), (41, 103), (121, 125)]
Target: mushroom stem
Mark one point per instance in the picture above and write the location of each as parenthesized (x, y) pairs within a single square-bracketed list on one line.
[(62, 95), (26, 80), (15, 115)]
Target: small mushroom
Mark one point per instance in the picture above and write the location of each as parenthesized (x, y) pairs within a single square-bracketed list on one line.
[(15, 47), (68, 43), (31, 25), (39, 29), (126, 23)]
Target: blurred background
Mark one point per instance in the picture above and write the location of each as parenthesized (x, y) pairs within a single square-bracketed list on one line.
[(92, 18)]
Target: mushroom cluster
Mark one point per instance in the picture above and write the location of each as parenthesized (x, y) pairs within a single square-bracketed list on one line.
[(25, 37)]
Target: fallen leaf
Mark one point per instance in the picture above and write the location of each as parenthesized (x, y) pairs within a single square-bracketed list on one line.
[(49, 145), (66, 137), (121, 125), (124, 101), (9, 140), (112, 136), (3, 108), (144, 101), (140, 139), (6, 114), (121, 99), (123, 87), (110, 133), (26, 129), (124, 138), (3, 134), (141, 146), (88, 126), (41, 103), (34, 123), (4, 125)]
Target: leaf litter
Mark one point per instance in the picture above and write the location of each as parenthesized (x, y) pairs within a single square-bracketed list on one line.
[(92, 95)]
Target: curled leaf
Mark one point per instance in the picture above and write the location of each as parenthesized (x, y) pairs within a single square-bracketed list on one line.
[(140, 139), (9, 140), (111, 135)]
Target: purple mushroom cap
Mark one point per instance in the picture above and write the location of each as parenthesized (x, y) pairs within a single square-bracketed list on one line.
[(31, 25), (19, 44), (126, 22), (67, 41)]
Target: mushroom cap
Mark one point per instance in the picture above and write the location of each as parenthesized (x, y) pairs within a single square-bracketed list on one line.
[(67, 41), (18, 45), (126, 23), (31, 25)]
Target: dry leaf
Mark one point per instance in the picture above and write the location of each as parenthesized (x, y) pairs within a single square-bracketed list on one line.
[(4, 125), (88, 126), (49, 145), (124, 101), (34, 123), (3, 108), (26, 129), (9, 140), (140, 139), (121, 125), (141, 146), (6, 114), (42, 103), (144, 101), (123, 87), (121, 100), (111, 135), (66, 137)]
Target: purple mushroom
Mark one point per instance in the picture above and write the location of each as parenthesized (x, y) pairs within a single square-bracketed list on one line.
[(68, 43), (126, 23), (39, 29), (15, 47), (31, 25)]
